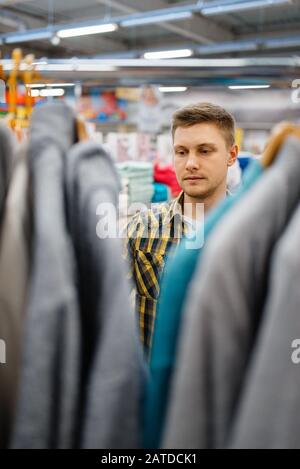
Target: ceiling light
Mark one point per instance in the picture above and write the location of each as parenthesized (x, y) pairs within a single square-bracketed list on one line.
[(36, 85), (171, 54), (248, 87), (53, 85), (172, 89), (222, 9), (27, 36), (141, 20), (52, 93), (60, 85), (87, 30), (229, 46)]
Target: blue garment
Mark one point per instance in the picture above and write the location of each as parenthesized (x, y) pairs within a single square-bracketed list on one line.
[(178, 274), (161, 193), (244, 162)]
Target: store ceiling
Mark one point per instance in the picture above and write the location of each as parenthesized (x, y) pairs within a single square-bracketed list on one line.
[(272, 23), (218, 73)]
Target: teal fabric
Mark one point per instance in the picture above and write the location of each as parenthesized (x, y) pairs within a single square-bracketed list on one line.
[(132, 169), (178, 274), (139, 177), (161, 193)]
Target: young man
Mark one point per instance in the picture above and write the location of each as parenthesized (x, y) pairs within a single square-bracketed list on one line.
[(204, 149)]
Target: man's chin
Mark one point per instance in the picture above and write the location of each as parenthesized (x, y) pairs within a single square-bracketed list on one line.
[(196, 192)]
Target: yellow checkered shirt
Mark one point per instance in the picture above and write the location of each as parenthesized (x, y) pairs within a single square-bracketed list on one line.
[(150, 236)]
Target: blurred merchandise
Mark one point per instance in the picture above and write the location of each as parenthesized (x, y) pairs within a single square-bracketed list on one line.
[(164, 149), (149, 115), (244, 159), (138, 176), (161, 193), (131, 146), (166, 175), (234, 177), (102, 106)]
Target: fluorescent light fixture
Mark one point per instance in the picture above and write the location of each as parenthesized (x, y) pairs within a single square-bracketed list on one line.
[(60, 85), (225, 47), (87, 30), (172, 89), (168, 54), (50, 85), (52, 93), (141, 20), (47, 92), (248, 87), (220, 9), (27, 36), (36, 85)]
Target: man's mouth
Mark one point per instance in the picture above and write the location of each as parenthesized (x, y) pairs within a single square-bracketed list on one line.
[(193, 178)]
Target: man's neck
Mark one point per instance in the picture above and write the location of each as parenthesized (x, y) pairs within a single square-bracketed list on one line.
[(190, 204)]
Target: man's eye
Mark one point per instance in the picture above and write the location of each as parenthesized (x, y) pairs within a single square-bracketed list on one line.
[(180, 152)]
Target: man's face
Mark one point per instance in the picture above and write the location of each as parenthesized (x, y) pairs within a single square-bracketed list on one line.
[(201, 158)]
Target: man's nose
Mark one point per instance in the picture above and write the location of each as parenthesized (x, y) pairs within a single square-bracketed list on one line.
[(192, 162)]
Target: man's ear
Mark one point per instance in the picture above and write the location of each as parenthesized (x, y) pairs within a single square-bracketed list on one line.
[(233, 154)]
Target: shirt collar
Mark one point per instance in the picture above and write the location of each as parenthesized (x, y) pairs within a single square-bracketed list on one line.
[(176, 206)]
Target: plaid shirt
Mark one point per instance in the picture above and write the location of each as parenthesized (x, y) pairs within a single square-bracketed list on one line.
[(150, 236)]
